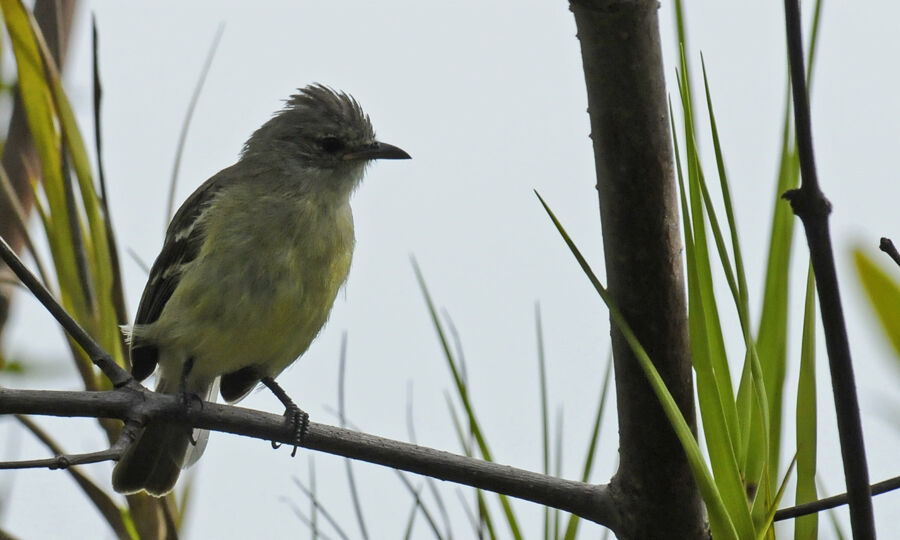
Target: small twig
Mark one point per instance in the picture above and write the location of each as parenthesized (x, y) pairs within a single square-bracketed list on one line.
[(101, 499), (833, 501), (64, 461), (887, 246)]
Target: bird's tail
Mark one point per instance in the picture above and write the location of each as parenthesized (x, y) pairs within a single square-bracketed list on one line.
[(161, 450)]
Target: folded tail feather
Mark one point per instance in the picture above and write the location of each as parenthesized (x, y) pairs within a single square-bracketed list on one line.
[(154, 461)]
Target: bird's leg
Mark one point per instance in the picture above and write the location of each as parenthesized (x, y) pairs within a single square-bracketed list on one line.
[(297, 417), (186, 397)]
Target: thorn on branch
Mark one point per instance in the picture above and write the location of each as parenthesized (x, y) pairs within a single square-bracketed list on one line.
[(887, 246), (807, 205)]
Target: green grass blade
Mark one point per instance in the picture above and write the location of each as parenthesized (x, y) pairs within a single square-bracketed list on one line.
[(813, 42), (186, 123), (410, 521), (807, 527), (22, 222), (97, 244), (557, 468), (484, 513), (772, 334), (721, 521), (740, 275), (711, 409), (545, 421), (574, 521), (707, 342), (752, 403), (883, 291), (714, 386), (38, 103), (463, 393), (766, 530), (831, 513)]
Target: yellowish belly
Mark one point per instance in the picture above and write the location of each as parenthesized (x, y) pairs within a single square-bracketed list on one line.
[(242, 311)]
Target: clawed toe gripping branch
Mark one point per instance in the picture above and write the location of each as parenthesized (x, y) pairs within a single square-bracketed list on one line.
[(297, 417), (136, 406)]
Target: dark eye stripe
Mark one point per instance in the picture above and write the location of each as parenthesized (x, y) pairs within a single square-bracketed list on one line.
[(331, 144)]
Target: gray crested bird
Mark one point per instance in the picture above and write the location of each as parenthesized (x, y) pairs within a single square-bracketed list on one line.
[(249, 271)]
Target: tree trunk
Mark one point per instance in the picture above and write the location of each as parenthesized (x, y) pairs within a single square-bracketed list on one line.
[(654, 487)]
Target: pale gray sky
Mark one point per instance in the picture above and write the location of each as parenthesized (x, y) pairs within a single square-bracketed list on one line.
[(489, 99)]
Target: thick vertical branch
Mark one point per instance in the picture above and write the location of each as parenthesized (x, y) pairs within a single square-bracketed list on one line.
[(638, 208), (811, 206)]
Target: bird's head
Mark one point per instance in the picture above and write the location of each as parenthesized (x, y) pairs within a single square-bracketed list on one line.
[(323, 129)]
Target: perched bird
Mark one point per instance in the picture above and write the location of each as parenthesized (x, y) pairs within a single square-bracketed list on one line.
[(249, 271)]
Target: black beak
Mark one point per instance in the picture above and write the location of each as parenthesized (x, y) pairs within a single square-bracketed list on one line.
[(377, 150)]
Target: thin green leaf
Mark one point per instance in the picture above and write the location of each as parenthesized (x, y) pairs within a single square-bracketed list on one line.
[(411, 521), (741, 299), (557, 468), (22, 222), (38, 103), (310, 494), (883, 291), (574, 521), (545, 422), (461, 434), (831, 513), (511, 520), (721, 523), (186, 124), (97, 244), (715, 391), (807, 527), (766, 529)]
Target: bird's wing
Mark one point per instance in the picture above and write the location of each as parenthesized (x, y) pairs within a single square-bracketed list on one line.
[(184, 238)]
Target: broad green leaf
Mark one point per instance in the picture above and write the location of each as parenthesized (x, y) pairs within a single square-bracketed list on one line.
[(40, 112), (883, 289)]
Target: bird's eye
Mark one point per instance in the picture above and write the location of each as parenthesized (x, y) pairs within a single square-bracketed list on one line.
[(331, 144)]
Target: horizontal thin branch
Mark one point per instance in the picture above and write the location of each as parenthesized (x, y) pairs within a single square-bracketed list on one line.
[(834, 501), (101, 499), (139, 405), (64, 461)]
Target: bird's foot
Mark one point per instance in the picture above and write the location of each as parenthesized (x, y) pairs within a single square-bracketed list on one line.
[(298, 418)]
